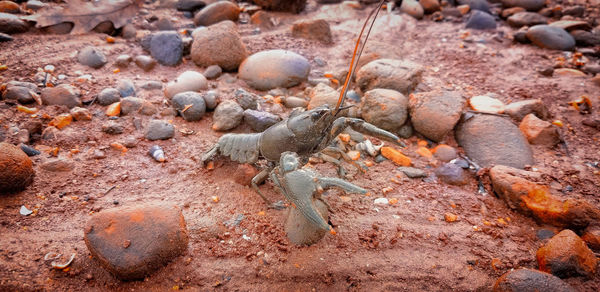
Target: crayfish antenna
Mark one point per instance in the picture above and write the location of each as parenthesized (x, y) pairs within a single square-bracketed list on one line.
[(356, 57)]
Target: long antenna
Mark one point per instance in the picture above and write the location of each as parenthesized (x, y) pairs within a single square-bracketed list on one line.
[(356, 57)]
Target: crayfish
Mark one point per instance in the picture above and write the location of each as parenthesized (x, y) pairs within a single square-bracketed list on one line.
[(304, 132)]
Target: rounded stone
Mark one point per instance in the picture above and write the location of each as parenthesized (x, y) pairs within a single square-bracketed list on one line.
[(385, 108), (565, 255), (430, 6), (481, 20), (220, 44), (159, 130), (132, 242), (167, 47), (63, 94), (525, 18), (126, 87), (217, 12), (531, 5), (259, 120), (444, 152), (9, 7), (227, 116), (146, 63), (452, 174), (16, 169), (528, 280), (550, 37), (109, 96), (314, 30), (274, 68), (294, 6), (399, 75), (11, 24), (293, 102), (190, 105), (435, 113), (186, 81), (91, 57), (300, 230), (131, 104), (19, 93), (412, 8), (210, 98), (190, 5), (212, 72)]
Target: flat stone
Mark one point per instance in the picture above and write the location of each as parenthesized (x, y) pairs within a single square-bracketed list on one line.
[(525, 18), (123, 61), (551, 37), (35, 5), (112, 128), (5, 37), (531, 5), (491, 140), (220, 44), (566, 255), (317, 29), (274, 68), (126, 87), (58, 165), (59, 28), (435, 113), (444, 152), (16, 169), (190, 105), (322, 95), (246, 99), (399, 75), (159, 130), (260, 120), (511, 11), (186, 81), (481, 20), (167, 47), (539, 132), (451, 173), (412, 172), (131, 104), (190, 5), (21, 94), (146, 63), (529, 280), (91, 57), (227, 116), (164, 24), (108, 96), (151, 85), (293, 102), (518, 110), (132, 242), (384, 108), (569, 25), (300, 230), (81, 114), (63, 94), (9, 7), (486, 104), (585, 38), (12, 24), (217, 12)]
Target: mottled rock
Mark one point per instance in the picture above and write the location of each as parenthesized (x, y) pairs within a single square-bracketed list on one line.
[(528, 280), (16, 169), (550, 37), (146, 63), (525, 18), (9, 7), (112, 128), (131, 104), (219, 44), (435, 113), (263, 20), (190, 5), (167, 47), (585, 38), (531, 5), (399, 75), (481, 20), (81, 114), (317, 29), (430, 6), (591, 236), (63, 94), (566, 255), (108, 96), (518, 110), (412, 172), (259, 120), (12, 24), (412, 8), (217, 12), (492, 140), (58, 165), (21, 94), (538, 131), (452, 174), (293, 102), (126, 87), (322, 95), (384, 108), (210, 98), (187, 81), (190, 105), (294, 6), (123, 61), (91, 57), (212, 72), (300, 231), (132, 242), (444, 152), (227, 116), (159, 130), (246, 99), (274, 68)]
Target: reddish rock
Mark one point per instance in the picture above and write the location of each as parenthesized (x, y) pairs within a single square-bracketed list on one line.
[(63, 94), (567, 255), (217, 12), (16, 169), (444, 152), (9, 7), (220, 44), (385, 108), (244, 173), (430, 6), (435, 113), (132, 242), (591, 236), (518, 110), (313, 29), (294, 6), (538, 131), (528, 280), (262, 19)]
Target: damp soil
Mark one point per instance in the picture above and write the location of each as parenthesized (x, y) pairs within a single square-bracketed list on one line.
[(404, 246)]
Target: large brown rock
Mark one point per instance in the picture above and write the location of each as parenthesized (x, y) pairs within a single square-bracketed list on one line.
[(220, 44), (528, 280), (435, 113), (314, 30), (402, 76), (492, 140), (274, 68), (385, 108), (217, 12), (63, 94), (566, 255), (538, 131), (132, 242), (16, 169)]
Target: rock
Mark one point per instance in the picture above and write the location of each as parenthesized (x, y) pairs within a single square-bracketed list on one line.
[(384, 108), (60, 28), (585, 38), (21, 94), (244, 174), (91, 57), (132, 242), (58, 165), (81, 114), (294, 6), (227, 116), (99, 154), (531, 5), (412, 8), (591, 236), (219, 44), (246, 99), (148, 109), (151, 85), (511, 11), (300, 231), (435, 113), (570, 25), (568, 72), (399, 75), (461, 9), (518, 110), (263, 20), (486, 104), (538, 131), (453, 12), (566, 255), (212, 72), (210, 98), (50, 133), (293, 102), (259, 120), (112, 128), (35, 5), (128, 31), (63, 94), (126, 87), (123, 61), (322, 95), (187, 81), (9, 7), (131, 104), (528, 280), (430, 6), (146, 63), (167, 47), (550, 37), (481, 5), (217, 12), (317, 29), (576, 11), (190, 105), (491, 140), (274, 68), (521, 36), (5, 37), (444, 152), (525, 18), (109, 96), (481, 20), (16, 169), (164, 24), (412, 172), (12, 24), (451, 173), (159, 130), (190, 5)]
